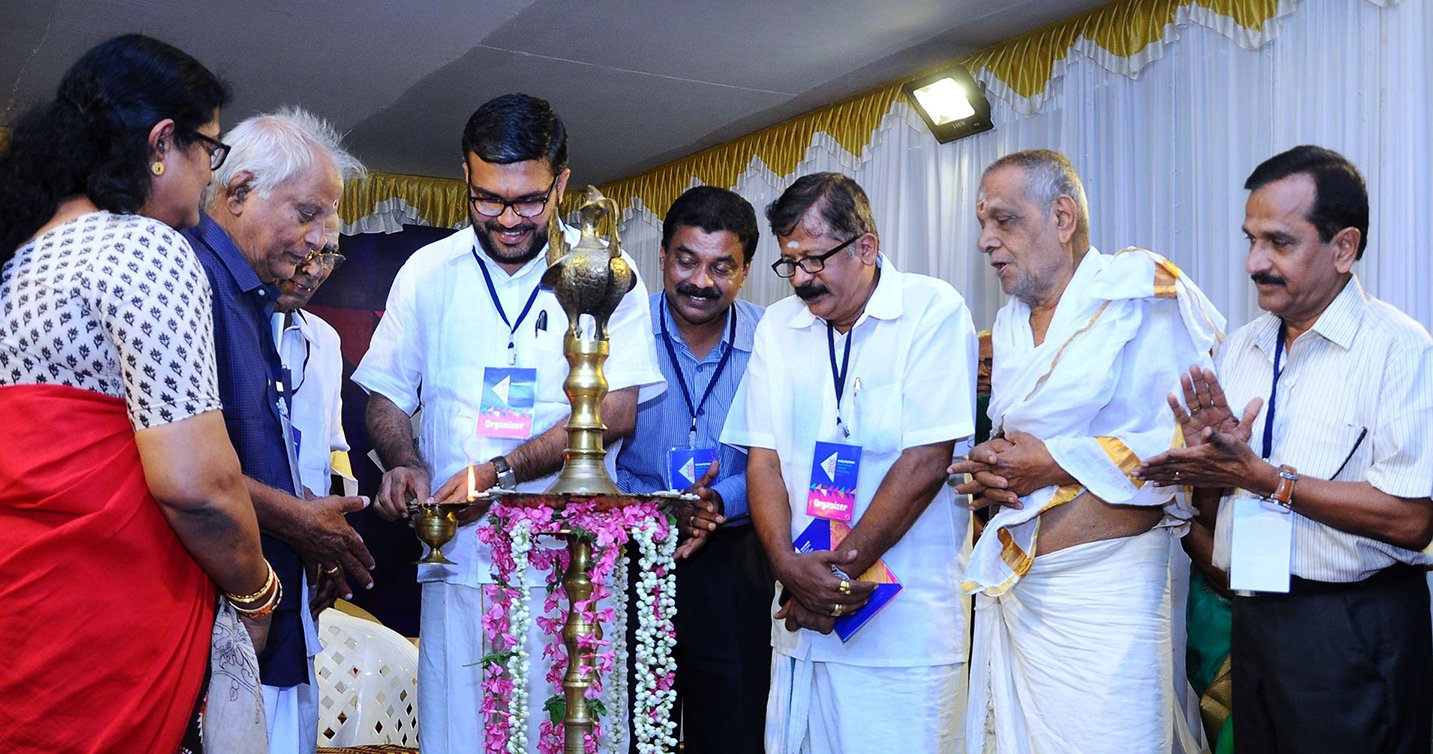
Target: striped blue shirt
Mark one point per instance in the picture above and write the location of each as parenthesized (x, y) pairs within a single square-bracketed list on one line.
[(664, 422)]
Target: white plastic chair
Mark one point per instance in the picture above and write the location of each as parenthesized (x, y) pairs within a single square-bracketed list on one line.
[(367, 683)]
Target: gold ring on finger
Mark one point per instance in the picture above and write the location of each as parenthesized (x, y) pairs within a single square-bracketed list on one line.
[(845, 587), (836, 611), (331, 571)]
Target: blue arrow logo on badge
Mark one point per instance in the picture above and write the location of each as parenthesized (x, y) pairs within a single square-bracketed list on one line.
[(689, 470), (829, 466), (501, 390)]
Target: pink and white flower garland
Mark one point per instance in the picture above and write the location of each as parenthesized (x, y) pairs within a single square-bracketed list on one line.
[(509, 531)]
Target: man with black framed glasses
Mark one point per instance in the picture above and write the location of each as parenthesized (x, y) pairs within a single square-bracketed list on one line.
[(465, 312), (846, 483)]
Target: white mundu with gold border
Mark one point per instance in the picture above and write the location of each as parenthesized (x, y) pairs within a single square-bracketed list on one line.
[(1094, 392)]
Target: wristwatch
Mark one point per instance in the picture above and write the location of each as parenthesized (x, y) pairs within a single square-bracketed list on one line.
[(1284, 493), (507, 478)]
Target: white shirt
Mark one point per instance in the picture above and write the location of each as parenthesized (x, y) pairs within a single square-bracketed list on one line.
[(911, 382), (1363, 366), (309, 348), (441, 329)]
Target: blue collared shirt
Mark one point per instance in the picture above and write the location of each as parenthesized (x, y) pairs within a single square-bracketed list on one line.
[(664, 422), (250, 374)]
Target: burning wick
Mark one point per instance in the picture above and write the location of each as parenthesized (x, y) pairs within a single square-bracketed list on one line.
[(472, 484)]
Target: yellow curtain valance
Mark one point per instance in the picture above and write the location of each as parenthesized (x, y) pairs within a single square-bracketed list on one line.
[(1024, 65), (438, 201), (1124, 29)]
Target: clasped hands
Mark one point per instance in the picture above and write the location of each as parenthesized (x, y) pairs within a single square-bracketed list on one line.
[(813, 595), (1216, 450), (1004, 469)]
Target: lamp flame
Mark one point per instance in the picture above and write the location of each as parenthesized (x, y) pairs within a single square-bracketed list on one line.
[(472, 484)]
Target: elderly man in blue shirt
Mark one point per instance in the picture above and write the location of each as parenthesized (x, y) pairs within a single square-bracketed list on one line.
[(264, 216), (724, 586)]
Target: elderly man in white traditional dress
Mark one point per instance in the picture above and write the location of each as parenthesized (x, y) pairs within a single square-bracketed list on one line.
[(1073, 645)]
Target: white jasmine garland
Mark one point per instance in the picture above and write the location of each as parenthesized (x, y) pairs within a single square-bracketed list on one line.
[(655, 639), (519, 620)]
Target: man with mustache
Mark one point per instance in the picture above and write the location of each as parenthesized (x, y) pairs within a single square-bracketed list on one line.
[(724, 587), (471, 338), (265, 214), (1072, 648), (309, 349), (1332, 462), (850, 461)]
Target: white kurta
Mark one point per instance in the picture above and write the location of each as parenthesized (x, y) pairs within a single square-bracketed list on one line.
[(438, 333), (910, 382), (1093, 391), (310, 349)]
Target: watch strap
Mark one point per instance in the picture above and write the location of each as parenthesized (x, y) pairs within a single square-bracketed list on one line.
[(507, 478), (1284, 493)]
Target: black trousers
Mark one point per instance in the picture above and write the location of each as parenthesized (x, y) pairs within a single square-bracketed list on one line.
[(1335, 668), (723, 651)]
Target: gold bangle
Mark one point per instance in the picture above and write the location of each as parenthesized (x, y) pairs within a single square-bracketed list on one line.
[(269, 605), (269, 580)]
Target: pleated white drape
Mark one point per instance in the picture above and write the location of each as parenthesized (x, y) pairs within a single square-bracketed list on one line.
[(1164, 154)]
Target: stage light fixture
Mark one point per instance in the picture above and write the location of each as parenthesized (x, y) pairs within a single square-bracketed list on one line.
[(951, 103)]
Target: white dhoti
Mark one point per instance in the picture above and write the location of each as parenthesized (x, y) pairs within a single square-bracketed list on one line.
[(291, 712), (834, 708), (292, 715), (1078, 657)]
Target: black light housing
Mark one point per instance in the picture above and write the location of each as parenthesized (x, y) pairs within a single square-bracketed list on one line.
[(951, 102)]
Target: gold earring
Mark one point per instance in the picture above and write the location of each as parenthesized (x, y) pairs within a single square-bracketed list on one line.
[(156, 168)]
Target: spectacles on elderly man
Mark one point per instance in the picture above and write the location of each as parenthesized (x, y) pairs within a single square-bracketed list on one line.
[(785, 268), (218, 150), (328, 258), (495, 206)]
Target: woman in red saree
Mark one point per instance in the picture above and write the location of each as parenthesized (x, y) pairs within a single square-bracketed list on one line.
[(121, 501)]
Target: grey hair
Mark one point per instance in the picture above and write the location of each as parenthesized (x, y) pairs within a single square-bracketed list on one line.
[(279, 146), (1049, 175)]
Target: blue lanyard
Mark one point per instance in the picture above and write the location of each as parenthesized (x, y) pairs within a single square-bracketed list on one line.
[(838, 376), (498, 304), (1274, 396), (696, 411)]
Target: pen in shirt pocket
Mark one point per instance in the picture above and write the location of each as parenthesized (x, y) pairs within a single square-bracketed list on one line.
[(541, 325), (1362, 433)]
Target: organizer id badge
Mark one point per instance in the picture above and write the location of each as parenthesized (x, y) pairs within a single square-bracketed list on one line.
[(835, 467), (506, 408), (686, 465)]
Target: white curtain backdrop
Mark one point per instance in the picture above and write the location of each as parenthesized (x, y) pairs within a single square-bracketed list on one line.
[(1163, 154)]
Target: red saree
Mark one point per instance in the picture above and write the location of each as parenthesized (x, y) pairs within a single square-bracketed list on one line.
[(105, 619)]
